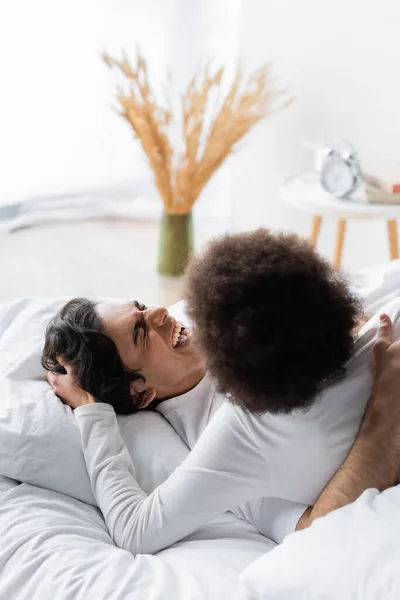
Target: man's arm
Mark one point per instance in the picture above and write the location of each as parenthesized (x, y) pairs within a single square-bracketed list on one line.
[(224, 469), (374, 459)]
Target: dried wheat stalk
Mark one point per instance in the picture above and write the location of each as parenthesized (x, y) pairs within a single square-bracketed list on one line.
[(180, 178)]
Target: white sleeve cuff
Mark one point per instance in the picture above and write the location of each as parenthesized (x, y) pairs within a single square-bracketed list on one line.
[(91, 410), (293, 519)]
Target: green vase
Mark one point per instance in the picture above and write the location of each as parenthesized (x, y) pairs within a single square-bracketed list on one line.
[(176, 243)]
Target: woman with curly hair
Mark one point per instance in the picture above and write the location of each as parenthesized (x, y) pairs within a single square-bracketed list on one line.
[(274, 320), (277, 328)]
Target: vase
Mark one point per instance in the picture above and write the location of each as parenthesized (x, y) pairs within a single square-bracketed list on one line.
[(176, 243)]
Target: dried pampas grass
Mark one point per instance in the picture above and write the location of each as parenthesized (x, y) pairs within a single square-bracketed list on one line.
[(211, 122)]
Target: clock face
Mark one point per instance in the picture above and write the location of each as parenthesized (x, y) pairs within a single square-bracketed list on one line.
[(337, 177)]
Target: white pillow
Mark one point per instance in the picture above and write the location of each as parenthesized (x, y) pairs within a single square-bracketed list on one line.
[(22, 326), (351, 554), (40, 440)]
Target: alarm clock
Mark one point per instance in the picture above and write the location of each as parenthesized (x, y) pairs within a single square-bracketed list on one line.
[(340, 173)]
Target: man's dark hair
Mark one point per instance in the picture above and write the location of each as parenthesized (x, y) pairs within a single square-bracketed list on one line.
[(76, 334), (274, 319)]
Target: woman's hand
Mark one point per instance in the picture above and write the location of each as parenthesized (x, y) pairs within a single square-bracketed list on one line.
[(67, 390)]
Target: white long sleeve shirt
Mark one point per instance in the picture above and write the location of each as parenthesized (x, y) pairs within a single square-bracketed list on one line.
[(189, 414), (238, 458)]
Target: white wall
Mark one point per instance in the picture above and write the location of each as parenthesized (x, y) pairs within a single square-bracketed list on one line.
[(58, 132), (202, 31), (341, 60)]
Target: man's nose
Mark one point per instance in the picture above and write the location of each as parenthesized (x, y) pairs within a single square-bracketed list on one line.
[(157, 315)]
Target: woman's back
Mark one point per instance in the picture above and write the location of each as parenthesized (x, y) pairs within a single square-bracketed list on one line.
[(303, 450)]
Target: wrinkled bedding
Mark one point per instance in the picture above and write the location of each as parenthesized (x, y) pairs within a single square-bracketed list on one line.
[(54, 544)]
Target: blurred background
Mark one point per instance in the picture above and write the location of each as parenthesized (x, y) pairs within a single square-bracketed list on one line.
[(79, 212)]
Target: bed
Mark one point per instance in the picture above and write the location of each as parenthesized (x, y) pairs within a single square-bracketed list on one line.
[(54, 544)]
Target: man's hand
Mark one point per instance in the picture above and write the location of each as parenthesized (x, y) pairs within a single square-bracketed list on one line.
[(386, 363), (67, 390)]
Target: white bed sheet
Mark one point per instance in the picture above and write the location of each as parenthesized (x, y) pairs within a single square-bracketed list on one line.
[(56, 547), (351, 554)]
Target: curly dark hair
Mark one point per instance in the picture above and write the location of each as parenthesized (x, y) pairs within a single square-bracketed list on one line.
[(272, 317), (76, 335)]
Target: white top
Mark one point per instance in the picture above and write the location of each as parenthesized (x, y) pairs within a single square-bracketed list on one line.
[(306, 193), (239, 458), (189, 414)]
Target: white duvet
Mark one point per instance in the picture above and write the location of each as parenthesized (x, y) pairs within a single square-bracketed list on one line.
[(351, 554), (54, 545)]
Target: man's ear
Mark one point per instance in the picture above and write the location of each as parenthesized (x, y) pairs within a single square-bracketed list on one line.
[(141, 394)]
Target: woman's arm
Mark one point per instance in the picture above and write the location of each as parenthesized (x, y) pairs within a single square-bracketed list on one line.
[(223, 470)]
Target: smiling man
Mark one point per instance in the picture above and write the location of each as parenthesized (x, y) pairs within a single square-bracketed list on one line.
[(170, 363), (123, 352), (122, 356)]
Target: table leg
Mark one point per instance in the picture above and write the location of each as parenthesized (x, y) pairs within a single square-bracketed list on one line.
[(315, 229), (340, 233), (393, 240)]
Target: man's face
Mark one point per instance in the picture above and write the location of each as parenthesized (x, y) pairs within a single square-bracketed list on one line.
[(150, 340)]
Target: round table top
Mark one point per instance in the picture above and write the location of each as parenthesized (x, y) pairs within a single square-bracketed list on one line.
[(305, 192)]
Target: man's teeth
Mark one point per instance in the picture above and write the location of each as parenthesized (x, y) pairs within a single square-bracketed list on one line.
[(180, 335), (175, 335)]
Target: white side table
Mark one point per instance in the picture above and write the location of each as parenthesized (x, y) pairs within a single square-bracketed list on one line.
[(305, 192)]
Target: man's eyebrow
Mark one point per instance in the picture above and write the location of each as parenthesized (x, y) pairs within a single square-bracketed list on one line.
[(137, 326)]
